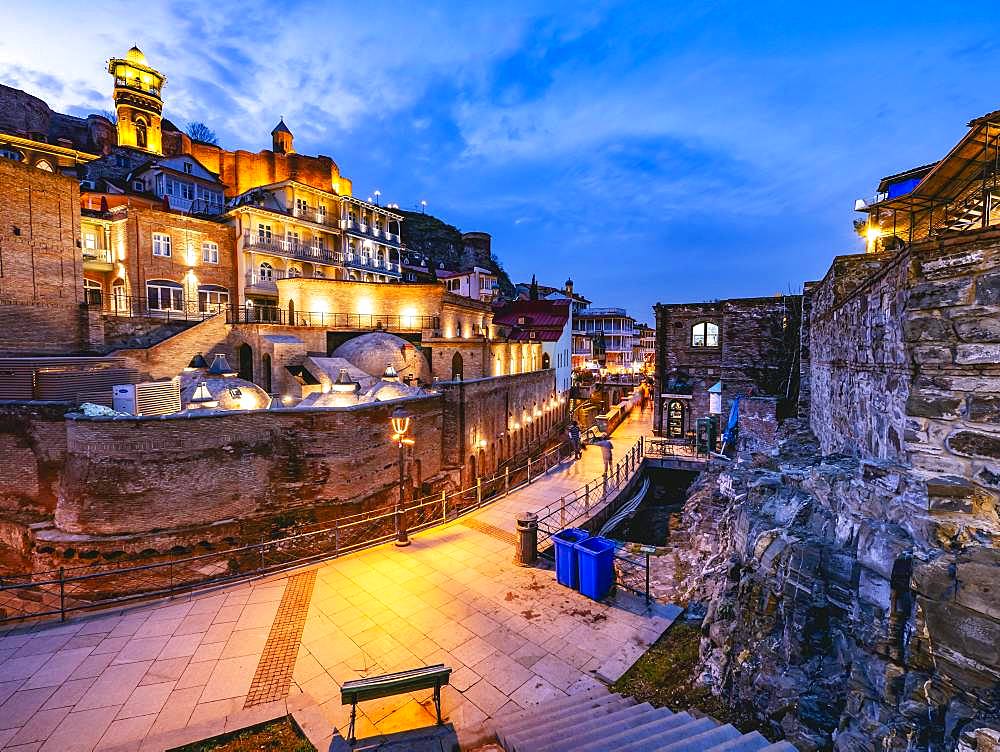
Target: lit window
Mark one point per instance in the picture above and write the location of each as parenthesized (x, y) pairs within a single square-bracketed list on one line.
[(42, 164), (161, 244), (164, 295), (266, 271), (212, 298), (264, 233), (705, 334), (90, 240), (210, 252)]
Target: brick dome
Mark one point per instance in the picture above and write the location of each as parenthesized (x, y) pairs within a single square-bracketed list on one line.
[(373, 352)]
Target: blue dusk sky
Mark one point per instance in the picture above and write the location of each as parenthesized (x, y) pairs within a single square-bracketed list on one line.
[(654, 151)]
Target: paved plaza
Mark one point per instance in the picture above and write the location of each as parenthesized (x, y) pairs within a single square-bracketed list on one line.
[(167, 673)]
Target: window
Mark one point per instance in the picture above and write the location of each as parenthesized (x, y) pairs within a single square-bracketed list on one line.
[(187, 191), (705, 334), (43, 164), (264, 233), (138, 185), (292, 238), (266, 271), (7, 153), (164, 295), (212, 298), (322, 212), (123, 161), (140, 133), (319, 274), (210, 252), (293, 272), (161, 244), (92, 291), (90, 240), (301, 205), (188, 168)]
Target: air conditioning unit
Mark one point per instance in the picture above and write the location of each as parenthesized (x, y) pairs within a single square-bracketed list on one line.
[(148, 397)]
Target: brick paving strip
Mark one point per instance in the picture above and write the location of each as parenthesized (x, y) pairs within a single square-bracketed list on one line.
[(274, 671), (487, 529)]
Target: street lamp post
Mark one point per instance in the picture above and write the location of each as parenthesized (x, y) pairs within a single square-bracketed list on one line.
[(400, 422)]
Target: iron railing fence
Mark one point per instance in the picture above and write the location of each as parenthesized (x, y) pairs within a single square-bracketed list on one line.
[(71, 589), (134, 307), (663, 448), (370, 321), (632, 573), (582, 503)]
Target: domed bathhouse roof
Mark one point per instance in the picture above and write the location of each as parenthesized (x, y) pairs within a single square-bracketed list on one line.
[(376, 351), (219, 388)]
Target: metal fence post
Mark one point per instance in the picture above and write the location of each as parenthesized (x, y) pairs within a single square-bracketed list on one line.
[(444, 505), (62, 595), (647, 577), (506, 480), (586, 499), (336, 538), (479, 491), (262, 552), (529, 471), (562, 512)]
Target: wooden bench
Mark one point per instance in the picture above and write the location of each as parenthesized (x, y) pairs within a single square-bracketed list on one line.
[(375, 687)]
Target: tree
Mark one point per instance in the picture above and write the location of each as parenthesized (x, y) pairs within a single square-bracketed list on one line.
[(533, 291), (201, 132), (110, 115)]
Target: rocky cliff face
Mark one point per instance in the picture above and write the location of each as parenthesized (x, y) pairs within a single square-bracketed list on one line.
[(838, 607)]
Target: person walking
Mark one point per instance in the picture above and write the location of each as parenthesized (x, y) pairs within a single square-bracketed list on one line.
[(606, 446), (574, 438)]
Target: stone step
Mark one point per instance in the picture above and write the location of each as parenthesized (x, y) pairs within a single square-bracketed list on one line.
[(661, 738), (549, 706), (779, 747), (704, 742), (752, 742), (543, 728), (600, 704), (571, 739), (637, 733)]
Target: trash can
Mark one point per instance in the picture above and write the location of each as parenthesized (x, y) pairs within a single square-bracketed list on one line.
[(596, 565), (566, 567)]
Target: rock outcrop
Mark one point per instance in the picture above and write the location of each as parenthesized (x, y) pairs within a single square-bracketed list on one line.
[(840, 608)]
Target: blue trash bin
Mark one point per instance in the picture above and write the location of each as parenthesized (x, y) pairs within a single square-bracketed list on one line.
[(566, 566), (597, 566)]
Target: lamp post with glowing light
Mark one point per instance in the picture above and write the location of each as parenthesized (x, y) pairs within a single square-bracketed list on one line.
[(400, 422)]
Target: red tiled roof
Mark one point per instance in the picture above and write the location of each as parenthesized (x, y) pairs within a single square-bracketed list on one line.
[(539, 314)]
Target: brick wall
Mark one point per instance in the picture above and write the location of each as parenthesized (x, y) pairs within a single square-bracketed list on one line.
[(40, 329), (33, 447), (499, 411), (39, 230), (132, 475), (169, 357)]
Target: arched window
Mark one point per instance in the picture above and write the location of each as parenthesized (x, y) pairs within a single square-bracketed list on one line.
[(164, 295), (293, 272), (119, 300), (546, 362), (705, 334), (212, 298), (43, 164), (266, 272), (457, 367), (140, 132)]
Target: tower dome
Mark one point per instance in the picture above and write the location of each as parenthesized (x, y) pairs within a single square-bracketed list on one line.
[(134, 55)]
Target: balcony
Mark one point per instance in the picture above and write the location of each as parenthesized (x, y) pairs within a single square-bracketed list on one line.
[(292, 249), (368, 263), (98, 259), (313, 214), (363, 230), (269, 283), (136, 85)]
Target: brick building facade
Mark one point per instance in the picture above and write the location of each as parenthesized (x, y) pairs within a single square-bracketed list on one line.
[(740, 346)]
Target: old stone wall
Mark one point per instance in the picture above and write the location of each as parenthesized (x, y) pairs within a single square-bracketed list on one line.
[(860, 376), (836, 612), (48, 329), (132, 475), (33, 447)]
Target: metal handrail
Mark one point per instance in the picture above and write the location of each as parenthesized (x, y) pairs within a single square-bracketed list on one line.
[(366, 321), (346, 535)]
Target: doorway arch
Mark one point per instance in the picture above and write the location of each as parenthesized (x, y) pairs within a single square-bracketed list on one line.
[(457, 367), (675, 419), (245, 354), (546, 362), (265, 372)]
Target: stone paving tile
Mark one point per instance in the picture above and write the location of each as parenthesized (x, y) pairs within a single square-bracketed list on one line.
[(92, 666), (69, 693), (80, 731), (114, 686), (231, 677), (58, 668), (20, 706), (40, 727), (485, 696), (126, 733), (147, 699)]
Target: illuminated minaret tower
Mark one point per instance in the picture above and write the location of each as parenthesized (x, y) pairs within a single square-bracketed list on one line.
[(137, 101)]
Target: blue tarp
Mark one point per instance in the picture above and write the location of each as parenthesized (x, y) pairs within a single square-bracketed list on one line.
[(734, 419)]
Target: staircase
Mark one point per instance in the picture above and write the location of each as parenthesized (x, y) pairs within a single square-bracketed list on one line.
[(597, 721)]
